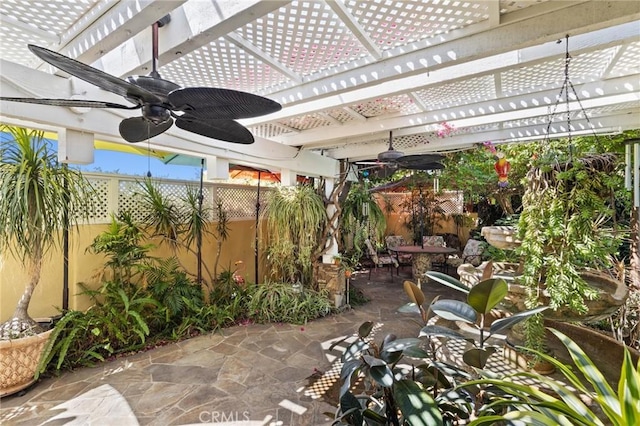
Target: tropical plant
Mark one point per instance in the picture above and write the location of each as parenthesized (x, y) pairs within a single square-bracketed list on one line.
[(361, 218), (281, 302), (295, 218), (39, 199), (566, 225), (117, 323), (482, 298), (178, 221), (424, 394), (559, 404)]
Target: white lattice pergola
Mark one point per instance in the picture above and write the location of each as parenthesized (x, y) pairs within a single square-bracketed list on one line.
[(346, 72)]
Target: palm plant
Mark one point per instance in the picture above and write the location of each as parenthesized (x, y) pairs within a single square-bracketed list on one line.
[(295, 218), (39, 198)]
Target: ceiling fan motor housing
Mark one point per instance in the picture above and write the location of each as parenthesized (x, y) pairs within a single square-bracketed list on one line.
[(390, 155)]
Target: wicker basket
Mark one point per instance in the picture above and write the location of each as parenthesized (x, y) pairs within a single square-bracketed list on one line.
[(19, 359)]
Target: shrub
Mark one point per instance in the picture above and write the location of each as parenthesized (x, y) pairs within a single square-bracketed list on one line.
[(281, 302)]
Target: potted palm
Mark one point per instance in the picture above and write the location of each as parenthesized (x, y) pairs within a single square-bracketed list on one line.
[(39, 199)]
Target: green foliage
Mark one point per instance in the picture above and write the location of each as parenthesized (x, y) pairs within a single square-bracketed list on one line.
[(361, 217), (173, 289), (295, 218), (281, 302), (39, 199), (566, 225), (121, 243), (117, 323), (562, 405), (35, 193), (481, 299)]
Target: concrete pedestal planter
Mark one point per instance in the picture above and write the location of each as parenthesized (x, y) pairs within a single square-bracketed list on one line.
[(19, 359), (502, 237), (611, 293)]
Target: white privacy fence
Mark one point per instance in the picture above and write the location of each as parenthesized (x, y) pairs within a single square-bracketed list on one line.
[(117, 193)]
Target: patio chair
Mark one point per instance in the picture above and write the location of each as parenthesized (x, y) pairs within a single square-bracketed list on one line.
[(374, 260), (403, 259), (438, 261), (472, 254)]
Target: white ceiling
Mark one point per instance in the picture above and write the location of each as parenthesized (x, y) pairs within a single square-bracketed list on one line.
[(346, 72)]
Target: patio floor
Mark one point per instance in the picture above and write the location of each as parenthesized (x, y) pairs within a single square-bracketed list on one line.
[(274, 374)]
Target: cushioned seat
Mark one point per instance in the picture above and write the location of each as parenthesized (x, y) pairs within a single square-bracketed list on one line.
[(438, 261), (378, 260), (472, 254), (403, 259)]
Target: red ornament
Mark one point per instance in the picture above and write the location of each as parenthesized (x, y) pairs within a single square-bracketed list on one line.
[(502, 168)]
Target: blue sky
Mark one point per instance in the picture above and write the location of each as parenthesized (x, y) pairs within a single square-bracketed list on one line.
[(138, 165)]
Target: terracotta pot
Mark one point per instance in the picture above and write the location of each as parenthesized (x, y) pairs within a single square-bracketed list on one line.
[(19, 360)]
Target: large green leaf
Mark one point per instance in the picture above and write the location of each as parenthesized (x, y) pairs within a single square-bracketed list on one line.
[(454, 310), (629, 390), (365, 329), (439, 331), (415, 294), (447, 280), (478, 357), (350, 404), (354, 350), (508, 322), (416, 405), (485, 295), (402, 344), (607, 398), (382, 374)]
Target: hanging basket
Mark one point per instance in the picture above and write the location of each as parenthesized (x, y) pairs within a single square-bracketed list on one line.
[(19, 359)]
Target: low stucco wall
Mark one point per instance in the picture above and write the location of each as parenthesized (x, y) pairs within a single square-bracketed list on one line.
[(85, 267)]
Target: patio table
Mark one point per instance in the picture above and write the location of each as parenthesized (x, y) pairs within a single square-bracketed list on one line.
[(421, 256)]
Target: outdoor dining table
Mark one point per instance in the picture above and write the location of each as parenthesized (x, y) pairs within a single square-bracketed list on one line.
[(421, 256)]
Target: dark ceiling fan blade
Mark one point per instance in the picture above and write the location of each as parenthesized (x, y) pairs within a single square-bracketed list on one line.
[(94, 76), (71, 103), (424, 166), (137, 129), (412, 161), (224, 130), (219, 104)]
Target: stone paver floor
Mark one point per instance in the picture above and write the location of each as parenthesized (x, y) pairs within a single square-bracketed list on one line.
[(274, 374)]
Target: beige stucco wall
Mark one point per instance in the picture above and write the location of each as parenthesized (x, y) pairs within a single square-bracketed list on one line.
[(84, 265)]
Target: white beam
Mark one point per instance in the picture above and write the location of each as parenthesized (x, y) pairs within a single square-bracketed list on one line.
[(194, 24), (576, 19), (75, 147), (486, 112), (411, 82)]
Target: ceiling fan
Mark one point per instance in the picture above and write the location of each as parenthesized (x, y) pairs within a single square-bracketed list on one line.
[(394, 159), (207, 111)]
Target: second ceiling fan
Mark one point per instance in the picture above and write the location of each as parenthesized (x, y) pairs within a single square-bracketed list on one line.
[(394, 159)]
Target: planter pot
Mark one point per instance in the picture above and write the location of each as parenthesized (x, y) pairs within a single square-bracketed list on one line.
[(502, 237), (338, 299), (19, 359), (611, 293)]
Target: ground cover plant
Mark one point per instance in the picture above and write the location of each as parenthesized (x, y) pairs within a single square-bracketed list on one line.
[(142, 302)]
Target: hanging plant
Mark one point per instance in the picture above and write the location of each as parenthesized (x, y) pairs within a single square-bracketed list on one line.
[(295, 218), (565, 227)]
